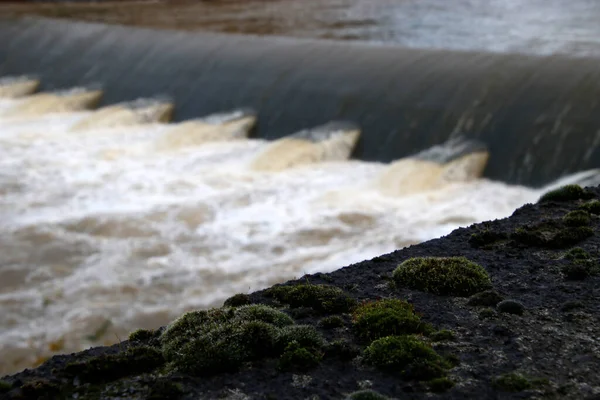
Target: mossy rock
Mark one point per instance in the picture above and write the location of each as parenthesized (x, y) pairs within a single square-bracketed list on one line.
[(366, 394), (593, 207), (406, 355), (332, 322), (487, 298), (341, 349), (325, 299), (577, 253), (551, 234), (439, 385), (566, 193), (298, 358), (511, 382), (442, 335), (577, 218), (5, 386), (40, 389), (376, 319), (143, 335), (485, 238), (162, 389), (446, 276), (240, 299), (213, 341), (304, 335), (510, 306), (109, 367)]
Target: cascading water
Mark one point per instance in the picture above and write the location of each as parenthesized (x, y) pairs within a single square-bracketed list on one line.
[(114, 220)]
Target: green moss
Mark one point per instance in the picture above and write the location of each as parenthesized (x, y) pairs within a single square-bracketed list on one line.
[(40, 389), (487, 313), (577, 253), (487, 298), (566, 193), (259, 312), (486, 237), (510, 306), (5, 386), (333, 321), (577, 218), (221, 340), (593, 207), (366, 394), (109, 367), (439, 385), (375, 319), (551, 234), (304, 335), (225, 347), (442, 335), (142, 335), (511, 382), (325, 299), (342, 350), (407, 355), (296, 357), (581, 266), (237, 300), (162, 389), (453, 276)]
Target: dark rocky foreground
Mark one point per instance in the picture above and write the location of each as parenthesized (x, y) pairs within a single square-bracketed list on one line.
[(505, 309)]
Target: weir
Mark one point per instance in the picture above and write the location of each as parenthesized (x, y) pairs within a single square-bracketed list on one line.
[(537, 116)]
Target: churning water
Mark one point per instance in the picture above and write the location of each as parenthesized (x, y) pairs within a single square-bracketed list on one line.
[(115, 219)]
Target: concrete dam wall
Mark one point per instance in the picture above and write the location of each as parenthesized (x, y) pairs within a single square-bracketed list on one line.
[(538, 116)]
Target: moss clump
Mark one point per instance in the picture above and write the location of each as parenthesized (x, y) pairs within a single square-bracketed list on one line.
[(240, 299), (376, 319), (406, 355), (5, 386), (511, 307), (487, 313), (40, 389), (297, 357), (487, 298), (331, 322), (220, 340), (511, 382), (164, 389), (577, 253), (142, 335), (551, 234), (451, 276), (566, 193), (593, 207), (442, 335), (341, 349), (304, 335), (439, 385), (582, 265), (577, 218), (366, 394), (325, 299), (109, 367), (486, 237)]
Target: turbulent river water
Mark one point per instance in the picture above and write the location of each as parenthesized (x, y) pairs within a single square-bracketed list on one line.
[(115, 219)]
